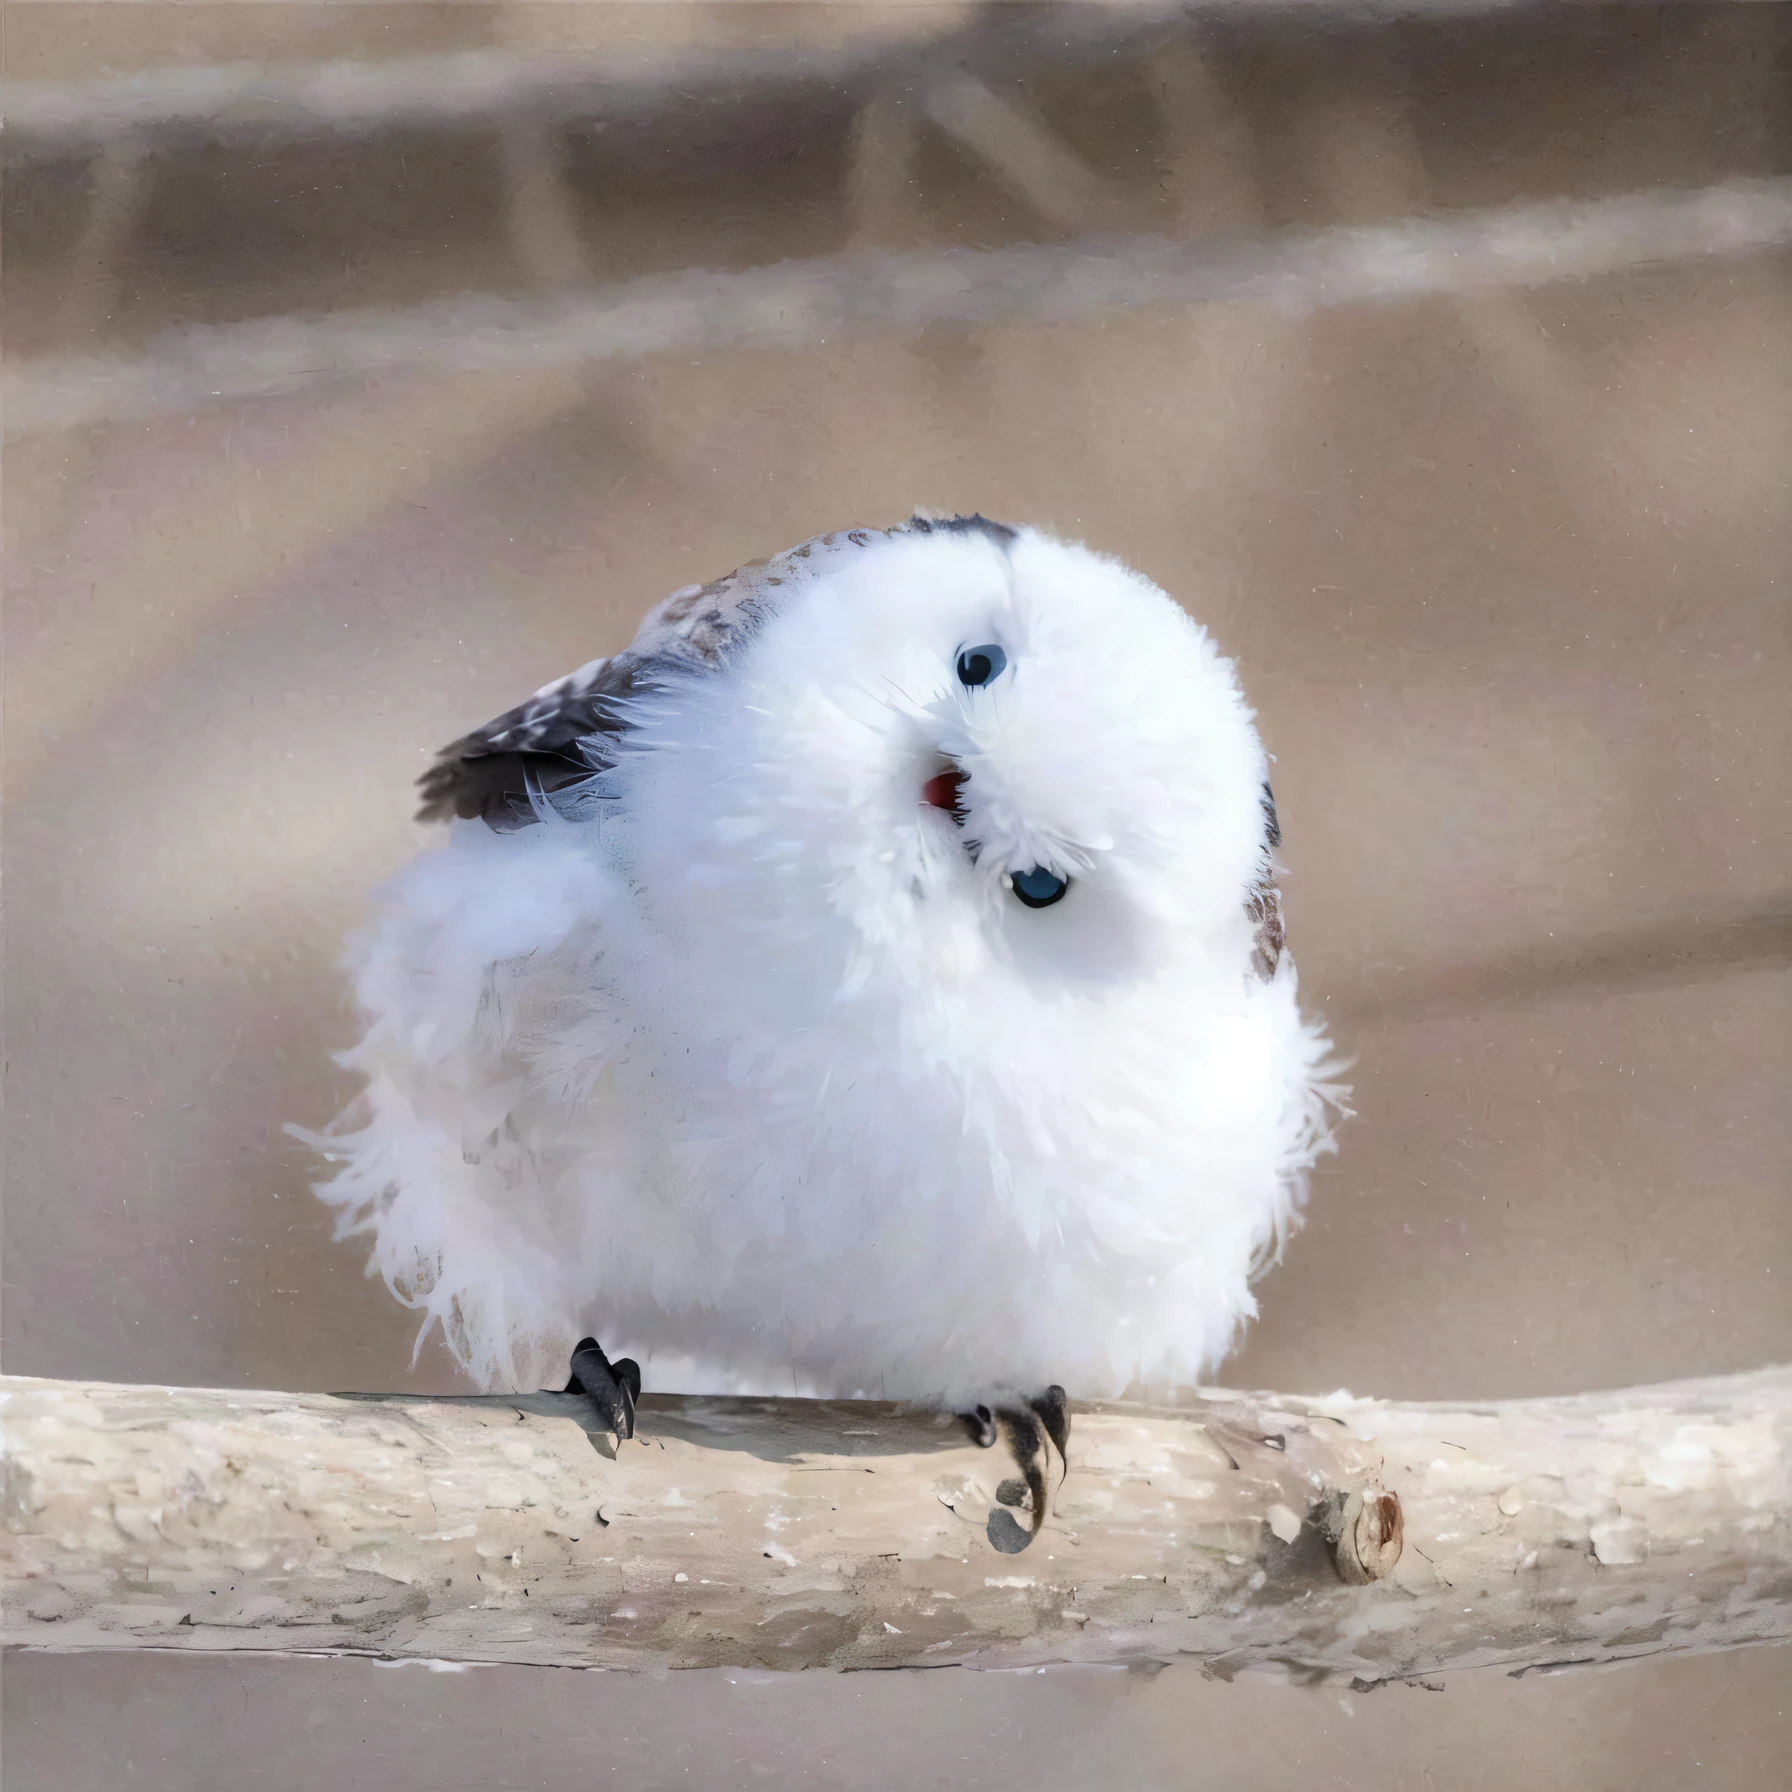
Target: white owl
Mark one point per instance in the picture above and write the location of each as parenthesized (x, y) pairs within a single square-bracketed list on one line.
[(870, 982)]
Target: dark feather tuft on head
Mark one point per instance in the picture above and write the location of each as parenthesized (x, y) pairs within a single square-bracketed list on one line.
[(1000, 533)]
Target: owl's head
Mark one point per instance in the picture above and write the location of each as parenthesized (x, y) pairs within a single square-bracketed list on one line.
[(956, 751)]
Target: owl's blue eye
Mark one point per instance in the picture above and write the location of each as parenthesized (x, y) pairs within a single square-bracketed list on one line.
[(978, 665), (1039, 888)]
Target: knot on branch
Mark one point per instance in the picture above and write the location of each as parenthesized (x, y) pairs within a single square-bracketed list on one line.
[(1367, 1535)]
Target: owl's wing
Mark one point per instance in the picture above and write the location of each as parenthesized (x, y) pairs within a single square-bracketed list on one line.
[(568, 730), (553, 740)]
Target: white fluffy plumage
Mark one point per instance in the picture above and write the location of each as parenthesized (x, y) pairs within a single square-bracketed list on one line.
[(722, 1043)]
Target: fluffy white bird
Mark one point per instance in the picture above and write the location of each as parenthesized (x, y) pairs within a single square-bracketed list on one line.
[(869, 982)]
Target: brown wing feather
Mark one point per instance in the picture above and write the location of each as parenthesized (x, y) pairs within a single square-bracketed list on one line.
[(568, 730), (1264, 904), (549, 742)]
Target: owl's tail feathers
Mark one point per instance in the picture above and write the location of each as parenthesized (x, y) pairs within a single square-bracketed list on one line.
[(443, 1241)]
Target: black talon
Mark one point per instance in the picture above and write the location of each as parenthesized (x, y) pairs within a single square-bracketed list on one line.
[(981, 1424), (1026, 1438), (1053, 1408), (1027, 1427), (611, 1387)]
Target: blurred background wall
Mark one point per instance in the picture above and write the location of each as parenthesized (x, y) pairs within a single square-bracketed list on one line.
[(1506, 573)]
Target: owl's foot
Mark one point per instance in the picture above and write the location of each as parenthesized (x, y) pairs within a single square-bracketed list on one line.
[(1027, 1428), (611, 1387)]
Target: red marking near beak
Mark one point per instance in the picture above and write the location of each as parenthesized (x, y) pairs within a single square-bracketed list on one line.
[(941, 790)]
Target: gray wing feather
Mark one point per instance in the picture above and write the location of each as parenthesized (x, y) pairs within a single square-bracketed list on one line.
[(538, 746), (569, 730), (1264, 904)]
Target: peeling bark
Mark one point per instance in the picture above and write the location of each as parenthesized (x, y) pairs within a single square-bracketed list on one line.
[(1354, 1538)]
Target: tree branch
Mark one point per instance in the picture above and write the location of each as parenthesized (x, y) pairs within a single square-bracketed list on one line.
[(472, 89), (801, 304), (1335, 1537)]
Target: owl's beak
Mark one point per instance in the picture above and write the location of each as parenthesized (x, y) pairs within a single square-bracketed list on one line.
[(941, 790)]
